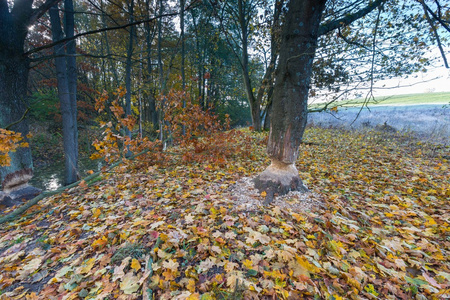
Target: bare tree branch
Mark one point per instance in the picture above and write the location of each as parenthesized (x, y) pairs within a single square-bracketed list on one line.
[(41, 10), (18, 121), (98, 31), (437, 18), (436, 35), (348, 19)]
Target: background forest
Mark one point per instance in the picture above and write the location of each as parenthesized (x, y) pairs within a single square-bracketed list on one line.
[(222, 55)]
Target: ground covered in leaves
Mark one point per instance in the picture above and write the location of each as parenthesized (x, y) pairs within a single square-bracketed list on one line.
[(376, 226)]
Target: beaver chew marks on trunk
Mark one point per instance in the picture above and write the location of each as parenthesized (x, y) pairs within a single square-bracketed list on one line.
[(279, 179)]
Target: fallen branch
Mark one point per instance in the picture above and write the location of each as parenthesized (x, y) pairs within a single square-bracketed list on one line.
[(20, 210)]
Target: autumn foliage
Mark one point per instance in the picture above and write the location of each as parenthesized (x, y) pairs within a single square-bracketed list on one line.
[(199, 133), (194, 133), (9, 142), (115, 143)]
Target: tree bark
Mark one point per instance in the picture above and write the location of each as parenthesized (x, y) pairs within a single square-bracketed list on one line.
[(183, 76), (149, 38), (69, 27), (14, 68), (68, 121), (128, 70), (254, 104), (289, 111)]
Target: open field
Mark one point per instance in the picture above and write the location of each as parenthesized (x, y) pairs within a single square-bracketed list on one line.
[(411, 99), (427, 121)]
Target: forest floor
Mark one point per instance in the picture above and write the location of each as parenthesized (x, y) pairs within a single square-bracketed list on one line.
[(375, 226)]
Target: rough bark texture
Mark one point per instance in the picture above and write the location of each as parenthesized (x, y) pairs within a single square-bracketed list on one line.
[(290, 97), (69, 27), (14, 78)]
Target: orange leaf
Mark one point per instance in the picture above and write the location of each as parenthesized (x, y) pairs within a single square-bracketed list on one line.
[(100, 243)]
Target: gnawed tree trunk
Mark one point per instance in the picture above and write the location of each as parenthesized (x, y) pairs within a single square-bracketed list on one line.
[(14, 78), (289, 111)]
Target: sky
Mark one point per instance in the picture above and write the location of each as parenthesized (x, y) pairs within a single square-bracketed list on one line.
[(437, 79)]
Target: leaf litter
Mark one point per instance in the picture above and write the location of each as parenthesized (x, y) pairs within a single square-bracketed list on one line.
[(375, 225)]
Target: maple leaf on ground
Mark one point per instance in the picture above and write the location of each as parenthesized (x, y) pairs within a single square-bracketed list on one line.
[(130, 283)]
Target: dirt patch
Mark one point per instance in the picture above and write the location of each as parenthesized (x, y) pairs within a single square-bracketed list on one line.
[(246, 198)]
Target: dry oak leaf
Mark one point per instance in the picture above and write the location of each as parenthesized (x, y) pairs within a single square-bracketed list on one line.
[(30, 267)]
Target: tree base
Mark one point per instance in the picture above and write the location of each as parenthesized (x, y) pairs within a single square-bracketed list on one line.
[(277, 180)]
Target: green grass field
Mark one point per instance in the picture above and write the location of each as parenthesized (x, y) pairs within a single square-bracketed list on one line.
[(410, 99)]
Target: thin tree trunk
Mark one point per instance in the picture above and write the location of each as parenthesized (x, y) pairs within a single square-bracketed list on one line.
[(68, 123), (293, 77), (267, 82), (108, 51), (69, 25), (151, 100), (254, 105), (161, 74), (128, 69), (183, 78)]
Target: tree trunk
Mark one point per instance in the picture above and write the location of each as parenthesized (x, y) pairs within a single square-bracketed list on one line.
[(68, 122), (112, 63), (267, 82), (183, 76), (13, 104), (128, 71), (161, 77), (254, 104), (149, 38), (69, 26), (289, 111), (13, 80)]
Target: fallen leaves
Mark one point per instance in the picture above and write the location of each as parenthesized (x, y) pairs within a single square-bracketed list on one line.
[(177, 231)]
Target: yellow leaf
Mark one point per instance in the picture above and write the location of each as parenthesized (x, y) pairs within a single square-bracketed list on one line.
[(195, 296), (97, 213), (135, 264), (87, 266), (263, 194), (191, 285), (248, 263)]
